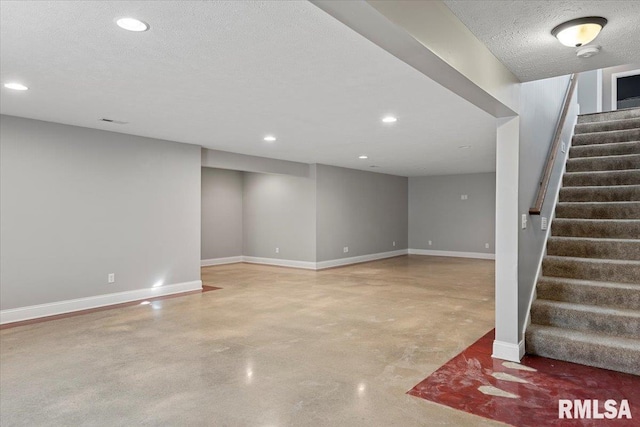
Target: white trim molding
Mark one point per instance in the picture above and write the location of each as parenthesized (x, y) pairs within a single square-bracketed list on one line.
[(311, 265), (507, 351), (221, 261), (614, 85), (456, 254), (69, 306), (321, 265), (307, 265), (358, 259)]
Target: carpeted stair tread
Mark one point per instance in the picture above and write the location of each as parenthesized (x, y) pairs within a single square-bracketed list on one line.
[(612, 149), (606, 137), (598, 210), (604, 163), (604, 294), (582, 317), (608, 178), (630, 123), (588, 294), (587, 348), (588, 247), (602, 193), (623, 114), (601, 228), (613, 270)]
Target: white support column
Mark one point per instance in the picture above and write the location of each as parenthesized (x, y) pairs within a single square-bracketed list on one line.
[(508, 344)]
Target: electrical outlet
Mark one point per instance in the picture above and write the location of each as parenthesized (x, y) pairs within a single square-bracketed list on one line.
[(430, 242), (394, 243), (563, 147), (277, 250), (464, 197), (111, 278), (486, 246), (345, 249), (524, 221), (543, 223)]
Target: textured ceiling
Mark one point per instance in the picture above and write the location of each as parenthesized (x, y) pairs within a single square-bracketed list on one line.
[(223, 74), (519, 33)]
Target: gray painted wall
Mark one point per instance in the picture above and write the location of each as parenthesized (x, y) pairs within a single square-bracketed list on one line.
[(362, 210), (77, 204), (606, 82), (590, 91), (437, 212), (541, 102), (221, 213), (279, 211)]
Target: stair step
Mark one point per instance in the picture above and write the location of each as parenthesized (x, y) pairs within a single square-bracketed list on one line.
[(607, 137), (588, 296), (613, 149), (603, 193), (583, 179), (598, 210), (627, 113), (588, 318), (608, 125), (592, 349), (586, 247), (604, 228), (612, 270), (604, 163), (603, 294)]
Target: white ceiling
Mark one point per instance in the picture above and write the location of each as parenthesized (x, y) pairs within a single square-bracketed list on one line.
[(224, 74), (518, 33)]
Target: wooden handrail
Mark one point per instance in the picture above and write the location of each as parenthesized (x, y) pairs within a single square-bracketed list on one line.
[(553, 151)]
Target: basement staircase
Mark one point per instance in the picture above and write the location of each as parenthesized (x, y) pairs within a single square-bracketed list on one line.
[(587, 309)]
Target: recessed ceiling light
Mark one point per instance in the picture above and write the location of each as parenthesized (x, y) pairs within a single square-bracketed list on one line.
[(15, 86), (132, 24), (363, 157), (269, 138), (389, 119), (578, 32)]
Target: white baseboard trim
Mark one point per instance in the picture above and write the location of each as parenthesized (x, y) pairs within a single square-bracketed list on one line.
[(358, 259), (478, 255), (507, 351), (69, 306), (307, 265), (310, 265), (221, 261)]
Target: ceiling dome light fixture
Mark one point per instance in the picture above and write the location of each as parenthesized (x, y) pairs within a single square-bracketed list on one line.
[(15, 86), (389, 119), (578, 32), (363, 157), (269, 138), (132, 24)]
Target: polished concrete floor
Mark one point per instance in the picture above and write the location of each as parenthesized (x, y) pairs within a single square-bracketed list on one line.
[(274, 347)]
